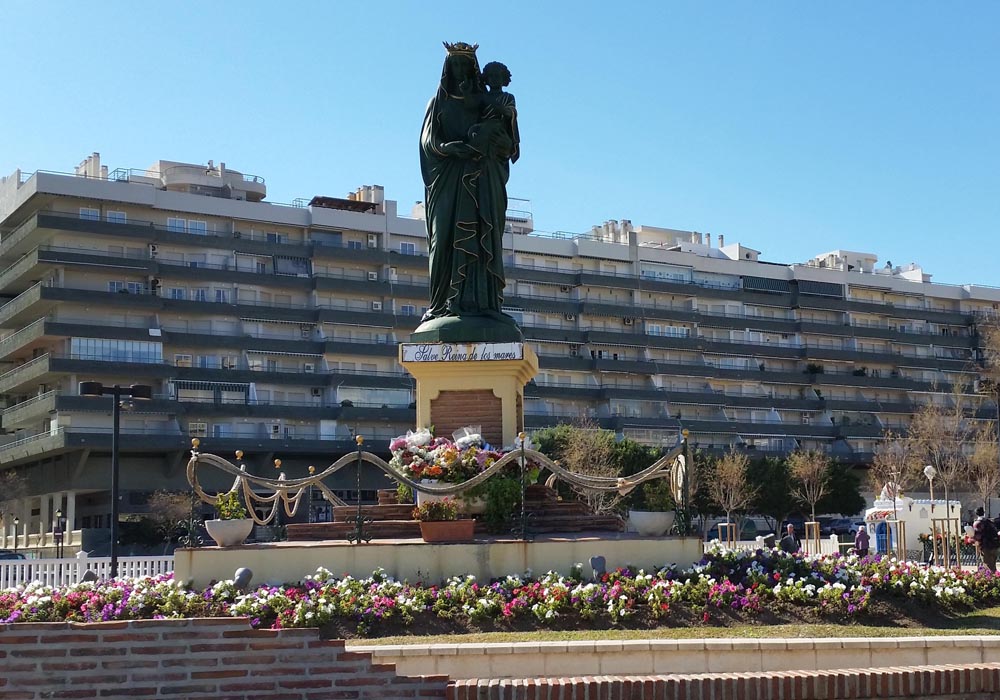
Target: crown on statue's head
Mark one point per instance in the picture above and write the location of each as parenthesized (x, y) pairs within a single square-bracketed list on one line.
[(461, 49)]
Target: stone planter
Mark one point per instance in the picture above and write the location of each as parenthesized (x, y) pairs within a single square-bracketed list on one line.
[(423, 498), (447, 530), (651, 523), (469, 506), (227, 533)]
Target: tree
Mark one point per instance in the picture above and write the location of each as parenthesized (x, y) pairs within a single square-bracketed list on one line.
[(584, 449), (774, 497), (810, 473), (940, 436), (730, 486), (896, 462), (843, 492), (983, 472), (167, 510), (13, 486)]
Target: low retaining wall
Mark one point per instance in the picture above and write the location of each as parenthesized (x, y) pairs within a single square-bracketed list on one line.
[(416, 560), (980, 682), (667, 656), (192, 659)]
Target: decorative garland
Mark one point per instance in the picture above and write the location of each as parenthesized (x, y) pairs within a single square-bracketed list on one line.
[(288, 492)]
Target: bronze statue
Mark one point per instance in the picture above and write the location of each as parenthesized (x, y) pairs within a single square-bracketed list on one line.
[(468, 141)]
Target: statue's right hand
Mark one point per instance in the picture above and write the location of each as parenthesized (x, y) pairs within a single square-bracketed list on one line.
[(457, 149)]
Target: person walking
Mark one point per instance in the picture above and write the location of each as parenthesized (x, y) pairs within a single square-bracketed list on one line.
[(861, 541), (984, 534)]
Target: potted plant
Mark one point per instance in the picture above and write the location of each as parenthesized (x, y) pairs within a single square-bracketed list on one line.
[(439, 522), (655, 509), (232, 526)]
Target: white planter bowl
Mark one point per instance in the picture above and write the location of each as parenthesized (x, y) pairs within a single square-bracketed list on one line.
[(227, 533), (651, 523)]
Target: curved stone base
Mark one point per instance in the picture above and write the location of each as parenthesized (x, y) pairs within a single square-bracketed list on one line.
[(468, 329)]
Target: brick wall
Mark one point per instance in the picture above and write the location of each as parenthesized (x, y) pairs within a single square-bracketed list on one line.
[(197, 659), (971, 682), (452, 410)]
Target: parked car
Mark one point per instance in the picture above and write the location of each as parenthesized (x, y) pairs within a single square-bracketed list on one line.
[(749, 528), (11, 554)]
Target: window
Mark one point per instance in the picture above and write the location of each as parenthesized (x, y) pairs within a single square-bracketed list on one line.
[(116, 286), (272, 365), (182, 360), (273, 237), (178, 293), (407, 248), (176, 225), (230, 361), (260, 267), (198, 430), (90, 214), (116, 217), (198, 227), (200, 294), (206, 361), (222, 296), (220, 430), (354, 245), (117, 350), (135, 288), (408, 309)]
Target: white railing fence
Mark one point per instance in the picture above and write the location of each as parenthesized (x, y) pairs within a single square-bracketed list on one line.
[(70, 570), (827, 545)]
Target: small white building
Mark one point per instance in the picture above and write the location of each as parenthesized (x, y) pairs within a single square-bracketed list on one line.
[(916, 514)]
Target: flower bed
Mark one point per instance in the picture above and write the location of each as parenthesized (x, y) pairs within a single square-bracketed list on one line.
[(746, 584)]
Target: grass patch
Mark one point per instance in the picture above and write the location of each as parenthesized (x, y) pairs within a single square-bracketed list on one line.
[(977, 622)]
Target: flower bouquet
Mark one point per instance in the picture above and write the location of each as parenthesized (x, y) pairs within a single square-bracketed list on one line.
[(423, 457)]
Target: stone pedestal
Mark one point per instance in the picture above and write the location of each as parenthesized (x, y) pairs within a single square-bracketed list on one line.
[(460, 384)]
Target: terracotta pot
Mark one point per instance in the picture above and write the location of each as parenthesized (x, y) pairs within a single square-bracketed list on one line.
[(447, 530), (227, 533)]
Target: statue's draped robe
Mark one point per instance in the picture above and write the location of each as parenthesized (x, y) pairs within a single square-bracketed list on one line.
[(466, 204)]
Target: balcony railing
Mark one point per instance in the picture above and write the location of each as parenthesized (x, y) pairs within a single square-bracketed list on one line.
[(41, 398), (25, 335)]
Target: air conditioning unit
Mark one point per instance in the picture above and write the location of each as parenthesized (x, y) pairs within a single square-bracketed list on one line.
[(628, 321), (237, 234), (152, 250), (306, 332), (569, 317), (316, 391), (376, 306), (308, 367), (373, 277), (565, 289), (372, 240)]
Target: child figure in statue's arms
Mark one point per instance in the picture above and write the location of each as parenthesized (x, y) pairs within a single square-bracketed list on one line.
[(496, 133)]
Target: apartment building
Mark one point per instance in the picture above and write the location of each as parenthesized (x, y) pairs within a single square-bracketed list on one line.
[(273, 328)]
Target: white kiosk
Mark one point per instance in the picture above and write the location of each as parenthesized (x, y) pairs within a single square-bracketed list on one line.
[(896, 523)]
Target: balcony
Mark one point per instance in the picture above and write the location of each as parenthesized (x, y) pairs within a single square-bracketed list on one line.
[(32, 410), (37, 371)]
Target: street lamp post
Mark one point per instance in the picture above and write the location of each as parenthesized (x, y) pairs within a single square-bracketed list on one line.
[(17, 526), (58, 533), (930, 472), (135, 391)]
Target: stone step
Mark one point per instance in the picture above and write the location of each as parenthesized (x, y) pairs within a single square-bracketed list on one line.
[(379, 512)]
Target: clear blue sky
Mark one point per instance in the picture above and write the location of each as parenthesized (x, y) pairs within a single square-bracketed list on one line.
[(792, 127)]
